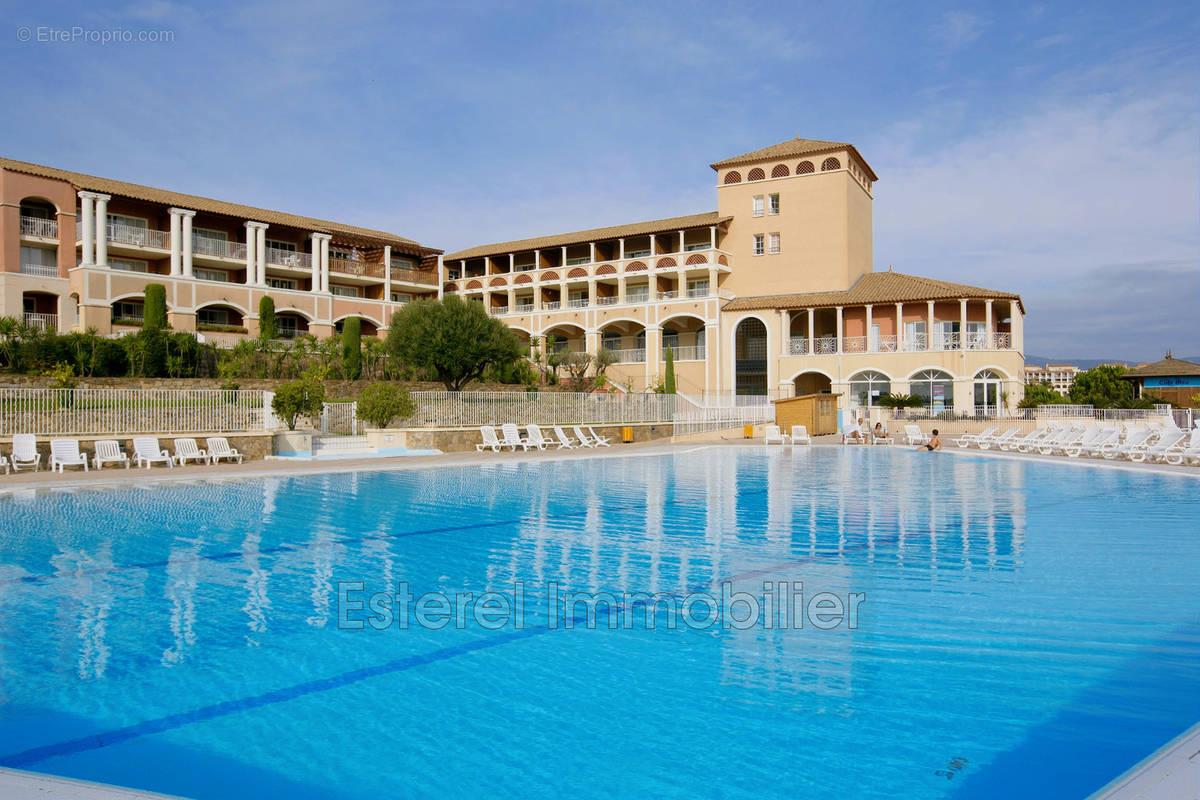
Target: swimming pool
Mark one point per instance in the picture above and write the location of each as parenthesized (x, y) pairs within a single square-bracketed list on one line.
[(1026, 629)]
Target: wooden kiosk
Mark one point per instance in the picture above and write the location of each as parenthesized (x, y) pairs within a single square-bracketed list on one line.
[(816, 412)]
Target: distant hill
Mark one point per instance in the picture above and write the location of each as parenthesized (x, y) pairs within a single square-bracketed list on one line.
[(1088, 363)]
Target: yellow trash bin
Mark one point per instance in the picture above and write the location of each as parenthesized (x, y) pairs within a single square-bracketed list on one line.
[(748, 431), (627, 434)]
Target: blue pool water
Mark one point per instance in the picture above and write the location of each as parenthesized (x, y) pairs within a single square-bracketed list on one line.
[(1028, 629)]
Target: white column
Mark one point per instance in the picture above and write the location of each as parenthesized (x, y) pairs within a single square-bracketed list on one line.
[(653, 246), (839, 329), (512, 299), (176, 245), (681, 241), (1017, 326), (988, 326), (592, 251), (512, 263), (712, 236), (564, 257), (251, 256), (811, 337), (441, 280), (387, 273), (537, 259), (592, 295), (87, 212), (325, 263), (315, 265), (785, 319), (929, 332), (867, 346), (261, 247), (621, 290), (187, 243), (962, 323), (102, 230), (899, 326), (622, 242)]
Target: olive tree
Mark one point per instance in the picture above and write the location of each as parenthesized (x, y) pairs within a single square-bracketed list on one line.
[(453, 339)]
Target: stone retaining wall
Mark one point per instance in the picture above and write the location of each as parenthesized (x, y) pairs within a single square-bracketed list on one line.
[(254, 446)]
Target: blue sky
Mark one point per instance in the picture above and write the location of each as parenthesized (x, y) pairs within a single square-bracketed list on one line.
[(1049, 149)]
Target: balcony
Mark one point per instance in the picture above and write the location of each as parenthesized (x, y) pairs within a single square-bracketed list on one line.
[(35, 226), (291, 258), (45, 322), (607, 301), (689, 353), (550, 305), (422, 276), (359, 268), (913, 343), (218, 248), (524, 308), (630, 356), (581, 302), (40, 270), (139, 237)]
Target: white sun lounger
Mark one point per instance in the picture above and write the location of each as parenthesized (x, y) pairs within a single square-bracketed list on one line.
[(564, 441), (800, 435), (146, 452), (1156, 451), (998, 440), (4, 463), (584, 439), (1071, 435), (1136, 438), (108, 451), (1096, 437), (535, 438), (65, 453), (1186, 451), (968, 439), (602, 441), (218, 448), (490, 439), (774, 434), (187, 450), (1034, 439), (25, 453), (512, 437), (914, 435)]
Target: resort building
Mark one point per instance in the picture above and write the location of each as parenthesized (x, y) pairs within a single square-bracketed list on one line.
[(76, 252), (1060, 377), (772, 294), (1172, 380)]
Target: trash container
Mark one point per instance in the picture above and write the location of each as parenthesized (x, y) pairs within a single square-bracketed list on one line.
[(748, 431), (627, 434)]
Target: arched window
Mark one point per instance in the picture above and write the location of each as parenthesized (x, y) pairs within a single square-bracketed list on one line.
[(866, 387), (805, 168), (935, 387), (830, 163), (733, 176), (756, 174), (780, 171), (988, 388), (750, 357)]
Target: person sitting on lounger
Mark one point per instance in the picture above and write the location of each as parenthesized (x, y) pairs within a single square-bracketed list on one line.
[(879, 432), (934, 443), (854, 431)]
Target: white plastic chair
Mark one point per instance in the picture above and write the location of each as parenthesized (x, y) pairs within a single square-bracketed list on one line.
[(218, 448), (535, 438), (187, 450), (512, 437), (915, 435), (490, 440), (108, 451), (774, 434), (800, 435), (564, 441), (65, 453), (601, 441), (25, 453), (147, 452), (584, 439)]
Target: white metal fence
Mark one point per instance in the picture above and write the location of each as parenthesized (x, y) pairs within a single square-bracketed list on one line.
[(340, 418), (129, 411), (469, 409)]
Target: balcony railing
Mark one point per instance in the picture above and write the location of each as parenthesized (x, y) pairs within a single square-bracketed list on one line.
[(913, 342), (671, 295), (291, 258), (854, 344), (498, 310), (360, 268), (421, 276), (205, 246), (631, 356), (40, 270), (35, 226), (550, 305), (607, 301), (827, 345), (140, 237), (524, 308), (581, 302), (687, 353), (701, 291), (47, 322)]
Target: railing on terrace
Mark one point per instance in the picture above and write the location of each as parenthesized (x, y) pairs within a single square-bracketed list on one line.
[(1082, 413), (340, 418), (35, 226), (290, 258), (421, 276), (671, 295), (582, 302), (497, 310), (205, 246), (633, 355), (40, 270), (524, 308), (827, 345), (607, 301), (46, 322), (360, 268), (697, 293), (122, 412), (550, 305), (854, 344), (470, 409), (142, 237), (688, 353)]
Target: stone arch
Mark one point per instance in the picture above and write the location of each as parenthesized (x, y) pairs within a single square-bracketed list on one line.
[(498, 282), (830, 163), (696, 259), (665, 263), (636, 266), (606, 269), (756, 174), (578, 272), (780, 171), (805, 168), (733, 176)]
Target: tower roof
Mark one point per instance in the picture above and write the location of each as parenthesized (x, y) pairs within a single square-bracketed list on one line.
[(791, 148)]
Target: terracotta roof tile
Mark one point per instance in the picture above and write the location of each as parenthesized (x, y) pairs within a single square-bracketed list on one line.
[(792, 148), (876, 288), (591, 235), (195, 203), (1168, 367)]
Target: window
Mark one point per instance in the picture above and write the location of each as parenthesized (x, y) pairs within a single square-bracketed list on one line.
[(697, 246), (866, 388), (772, 204), (758, 205), (976, 338), (210, 275), (988, 385), (281, 283), (288, 327), (935, 387), (945, 335), (579, 294), (403, 263), (576, 261), (208, 242), (636, 253), (758, 244), (773, 243), (127, 310), (401, 297), (344, 255), (127, 222), (212, 316), (39, 257), (610, 341), (344, 291), (637, 294), (697, 288), (914, 335), (287, 247), (128, 265), (670, 338)]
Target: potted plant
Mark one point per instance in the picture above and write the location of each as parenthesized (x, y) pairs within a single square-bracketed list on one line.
[(899, 402)]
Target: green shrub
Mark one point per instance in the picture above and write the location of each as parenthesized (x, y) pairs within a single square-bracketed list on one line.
[(669, 380), (268, 324), (352, 348), (154, 311), (383, 403), (304, 397)]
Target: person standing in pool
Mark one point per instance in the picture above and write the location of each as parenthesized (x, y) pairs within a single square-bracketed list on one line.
[(934, 443)]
